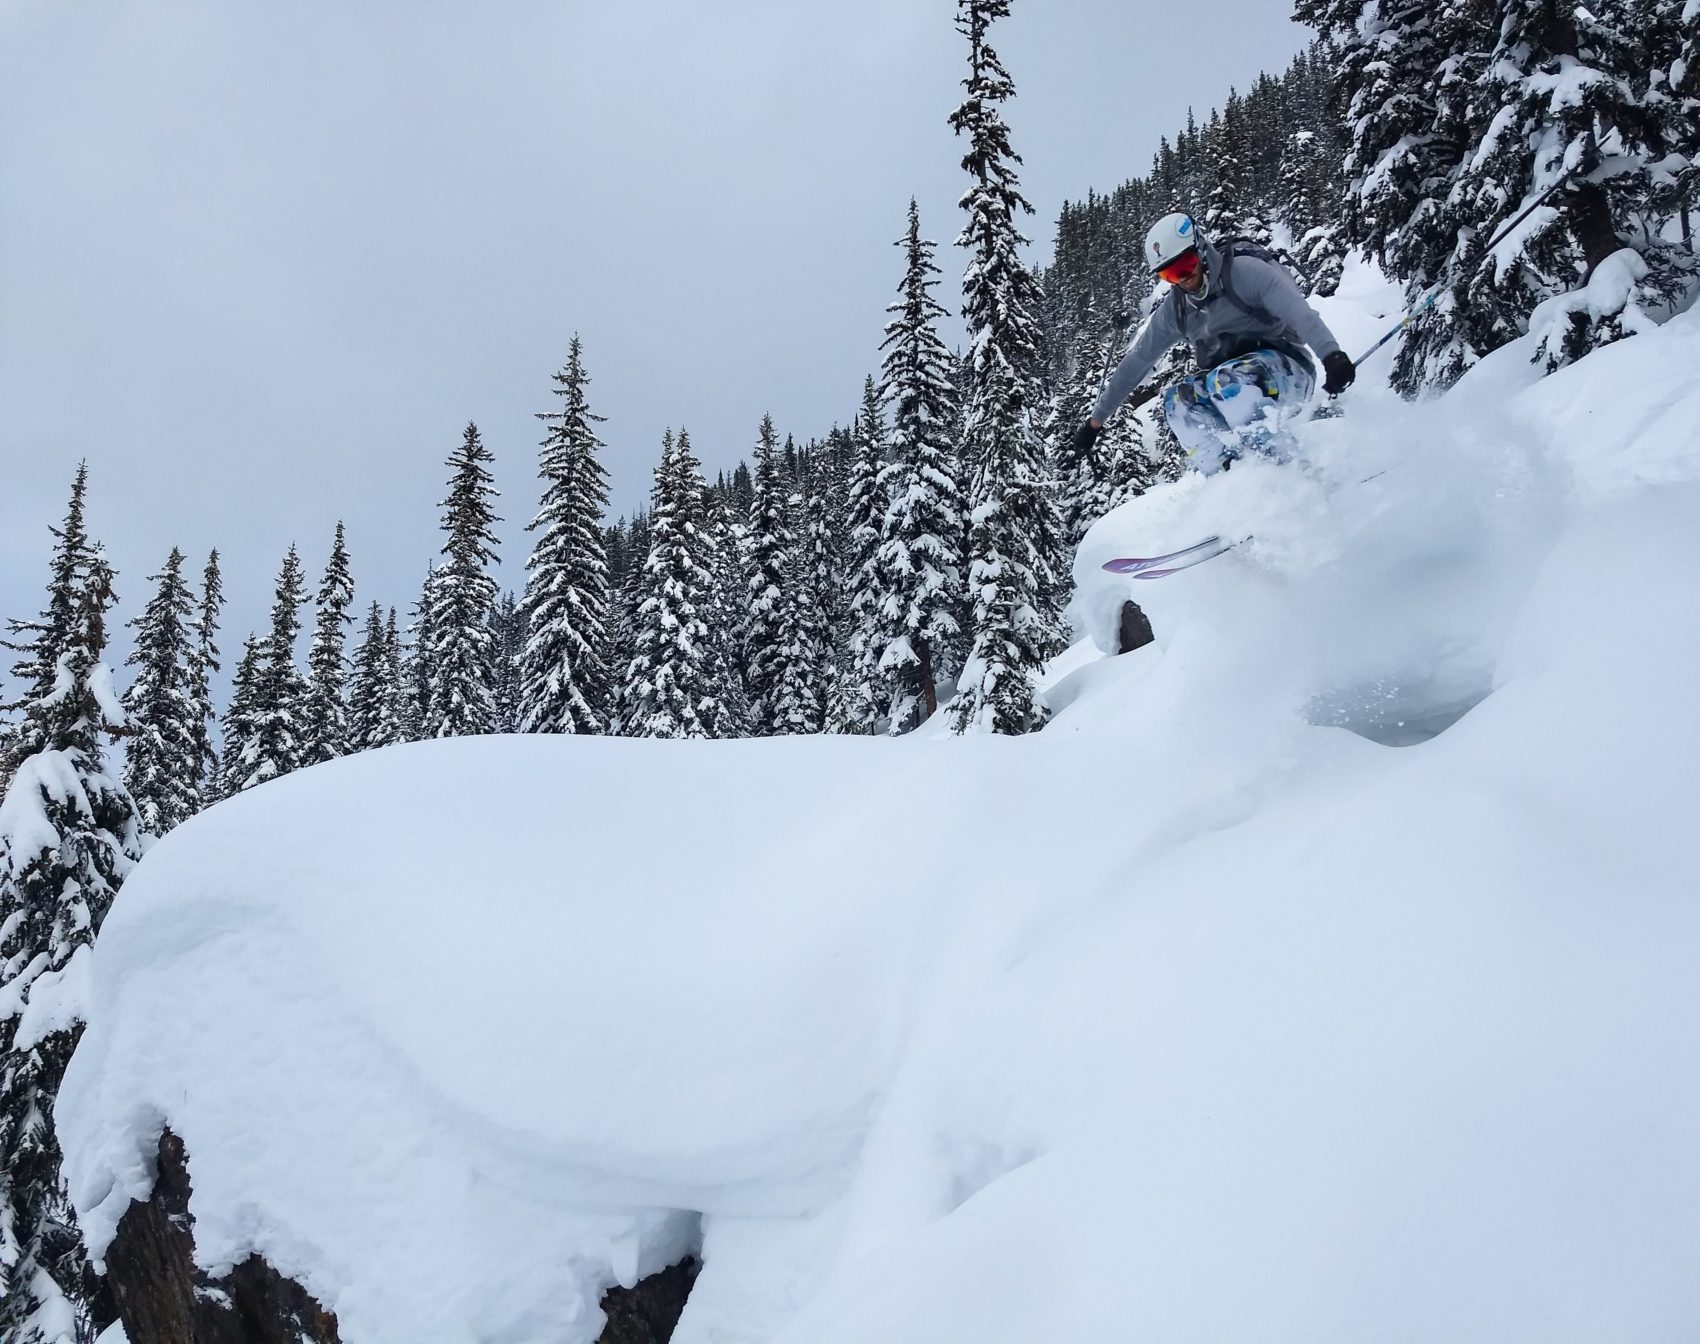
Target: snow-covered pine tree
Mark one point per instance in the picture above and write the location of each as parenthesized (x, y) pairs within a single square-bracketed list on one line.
[(461, 598), (374, 693), (1308, 211), (324, 726), (722, 532), (919, 561), (1084, 479), (242, 720), (565, 680), (49, 635), (162, 760), (767, 635), (1016, 549), (415, 654), (203, 665), (508, 632), (280, 708), (1559, 97), (820, 588), (69, 834), (857, 702), (798, 703), (669, 689), (403, 706)]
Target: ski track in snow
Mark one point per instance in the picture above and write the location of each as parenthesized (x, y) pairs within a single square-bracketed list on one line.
[(1209, 1013)]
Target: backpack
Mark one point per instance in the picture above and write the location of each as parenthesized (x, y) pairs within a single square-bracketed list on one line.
[(1250, 247)]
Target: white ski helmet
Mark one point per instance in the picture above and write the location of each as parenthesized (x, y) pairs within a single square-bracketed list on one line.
[(1168, 238)]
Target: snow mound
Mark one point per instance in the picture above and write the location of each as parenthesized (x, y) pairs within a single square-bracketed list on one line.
[(1194, 1017)]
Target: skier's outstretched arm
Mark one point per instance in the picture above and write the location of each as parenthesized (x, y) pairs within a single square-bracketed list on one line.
[(1154, 339)]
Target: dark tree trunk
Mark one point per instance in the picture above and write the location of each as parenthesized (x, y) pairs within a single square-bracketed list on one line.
[(1590, 224)]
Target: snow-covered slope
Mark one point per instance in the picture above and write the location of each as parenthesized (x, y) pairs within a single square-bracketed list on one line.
[(1204, 1015)]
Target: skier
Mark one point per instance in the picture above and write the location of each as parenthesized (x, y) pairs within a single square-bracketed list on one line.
[(1247, 324)]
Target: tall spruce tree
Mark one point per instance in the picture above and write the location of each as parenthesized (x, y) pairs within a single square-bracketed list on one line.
[(799, 688), (279, 738), (48, 636), (508, 635), (242, 720), (1083, 478), (203, 666), (162, 758), (462, 596), (919, 560), (69, 834), (325, 710), (565, 680), (730, 716), (767, 634), (858, 703), (1015, 544), (375, 692), (416, 667), (670, 691)]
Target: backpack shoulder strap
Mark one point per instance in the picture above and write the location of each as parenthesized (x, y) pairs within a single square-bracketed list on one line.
[(1229, 252)]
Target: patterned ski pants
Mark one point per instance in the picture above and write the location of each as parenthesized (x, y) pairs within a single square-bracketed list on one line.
[(1237, 406)]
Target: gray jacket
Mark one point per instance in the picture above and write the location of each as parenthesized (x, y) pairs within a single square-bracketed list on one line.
[(1218, 329)]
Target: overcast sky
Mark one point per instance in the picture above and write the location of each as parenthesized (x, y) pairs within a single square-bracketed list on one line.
[(261, 263)]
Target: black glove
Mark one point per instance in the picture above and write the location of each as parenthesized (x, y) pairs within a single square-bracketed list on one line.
[(1085, 437), (1342, 373)]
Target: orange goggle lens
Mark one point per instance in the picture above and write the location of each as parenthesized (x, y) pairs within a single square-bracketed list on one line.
[(1183, 267)]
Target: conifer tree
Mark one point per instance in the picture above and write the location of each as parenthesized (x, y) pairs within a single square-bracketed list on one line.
[(508, 632), (461, 599), (203, 665), (723, 535), (375, 693), (1307, 209), (799, 702), (565, 684), (69, 834), (267, 740), (919, 563), (1016, 542), (1566, 91), (1084, 479), (47, 637), (242, 720), (767, 634), (417, 673), (669, 688), (857, 704), (403, 706), (325, 709), (162, 758)]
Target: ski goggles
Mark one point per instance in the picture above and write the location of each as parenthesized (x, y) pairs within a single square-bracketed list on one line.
[(1183, 267)]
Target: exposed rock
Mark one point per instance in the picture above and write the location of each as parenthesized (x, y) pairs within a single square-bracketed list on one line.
[(1135, 630), (648, 1312), (164, 1299)]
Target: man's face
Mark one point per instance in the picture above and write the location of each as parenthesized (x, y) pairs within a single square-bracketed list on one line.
[(1186, 270)]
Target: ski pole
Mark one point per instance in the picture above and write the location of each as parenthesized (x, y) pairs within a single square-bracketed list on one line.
[(1428, 298)]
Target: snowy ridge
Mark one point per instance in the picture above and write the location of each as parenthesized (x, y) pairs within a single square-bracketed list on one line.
[(1206, 1014)]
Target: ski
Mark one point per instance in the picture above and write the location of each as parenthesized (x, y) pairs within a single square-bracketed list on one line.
[(1159, 566)]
